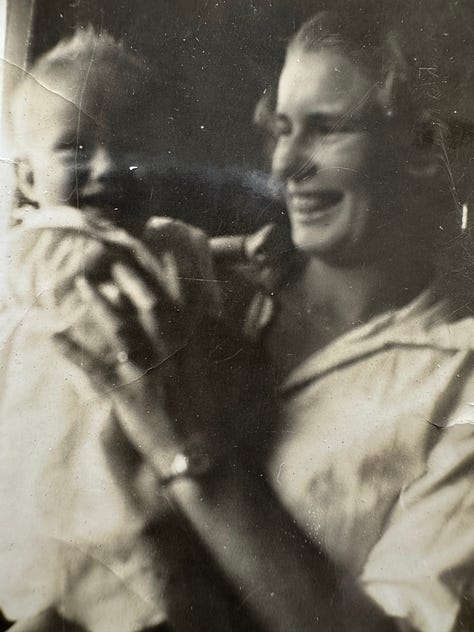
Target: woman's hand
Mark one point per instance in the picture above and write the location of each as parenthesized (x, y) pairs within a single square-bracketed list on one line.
[(142, 334), (47, 621)]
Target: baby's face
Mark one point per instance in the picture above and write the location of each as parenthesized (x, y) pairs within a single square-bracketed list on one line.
[(87, 156)]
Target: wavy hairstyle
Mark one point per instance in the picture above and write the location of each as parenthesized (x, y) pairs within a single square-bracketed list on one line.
[(408, 88)]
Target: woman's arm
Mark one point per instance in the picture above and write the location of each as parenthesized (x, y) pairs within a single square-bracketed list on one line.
[(280, 576)]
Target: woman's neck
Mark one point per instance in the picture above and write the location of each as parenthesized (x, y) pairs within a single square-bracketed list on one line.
[(355, 294), (328, 300)]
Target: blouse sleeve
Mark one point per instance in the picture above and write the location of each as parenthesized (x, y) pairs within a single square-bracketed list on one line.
[(422, 568)]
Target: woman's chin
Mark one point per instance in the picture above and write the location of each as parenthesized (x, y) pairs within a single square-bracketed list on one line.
[(315, 245)]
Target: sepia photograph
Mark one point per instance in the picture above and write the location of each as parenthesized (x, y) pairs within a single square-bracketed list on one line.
[(237, 316)]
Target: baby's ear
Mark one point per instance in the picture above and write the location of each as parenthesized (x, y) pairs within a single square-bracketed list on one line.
[(25, 178)]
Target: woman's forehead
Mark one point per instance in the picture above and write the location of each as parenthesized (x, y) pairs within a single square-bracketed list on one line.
[(326, 80)]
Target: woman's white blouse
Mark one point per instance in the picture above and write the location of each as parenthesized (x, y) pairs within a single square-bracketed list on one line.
[(375, 459)]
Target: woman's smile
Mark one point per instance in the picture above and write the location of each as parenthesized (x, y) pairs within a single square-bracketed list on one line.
[(316, 205)]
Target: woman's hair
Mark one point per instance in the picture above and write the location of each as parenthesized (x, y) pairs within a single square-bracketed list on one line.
[(362, 38), (392, 55)]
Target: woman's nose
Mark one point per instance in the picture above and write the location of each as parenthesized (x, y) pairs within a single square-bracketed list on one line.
[(294, 159)]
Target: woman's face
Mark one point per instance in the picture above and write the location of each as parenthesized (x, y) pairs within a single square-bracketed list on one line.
[(327, 157)]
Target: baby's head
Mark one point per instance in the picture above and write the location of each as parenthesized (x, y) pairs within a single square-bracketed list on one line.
[(83, 121)]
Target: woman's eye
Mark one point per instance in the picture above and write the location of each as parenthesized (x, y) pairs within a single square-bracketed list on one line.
[(325, 130), (330, 128)]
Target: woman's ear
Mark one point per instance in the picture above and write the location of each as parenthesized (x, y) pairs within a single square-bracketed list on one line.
[(425, 162), (25, 178)]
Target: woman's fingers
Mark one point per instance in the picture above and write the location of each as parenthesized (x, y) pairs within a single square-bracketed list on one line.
[(166, 292), (134, 287), (138, 400), (114, 326), (97, 262), (107, 373), (47, 621), (162, 322), (114, 332), (112, 293), (109, 322), (187, 262)]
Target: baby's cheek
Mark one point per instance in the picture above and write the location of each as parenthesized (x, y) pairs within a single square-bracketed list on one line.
[(67, 177), (61, 182)]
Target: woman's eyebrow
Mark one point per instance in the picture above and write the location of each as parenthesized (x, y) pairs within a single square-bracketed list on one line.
[(328, 120), (324, 117), (312, 118), (342, 120)]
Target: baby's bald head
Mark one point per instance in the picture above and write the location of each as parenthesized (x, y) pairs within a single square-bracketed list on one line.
[(84, 112)]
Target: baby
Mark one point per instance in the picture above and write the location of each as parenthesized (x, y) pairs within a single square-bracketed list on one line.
[(80, 533), (77, 531)]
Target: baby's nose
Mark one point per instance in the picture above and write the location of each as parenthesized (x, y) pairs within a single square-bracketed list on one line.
[(101, 163)]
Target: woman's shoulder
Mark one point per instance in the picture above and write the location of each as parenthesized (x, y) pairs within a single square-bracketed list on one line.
[(437, 319)]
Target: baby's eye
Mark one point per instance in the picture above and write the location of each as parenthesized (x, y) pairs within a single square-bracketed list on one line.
[(70, 146), (65, 145), (82, 151)]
